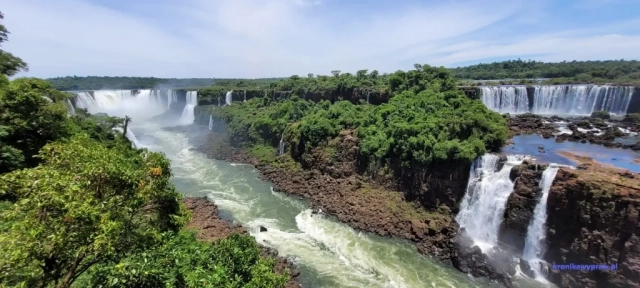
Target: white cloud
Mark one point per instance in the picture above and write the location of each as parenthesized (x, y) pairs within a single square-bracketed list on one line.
[(263, 38)]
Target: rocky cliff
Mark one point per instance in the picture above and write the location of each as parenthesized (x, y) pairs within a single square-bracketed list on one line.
[(592, 218)]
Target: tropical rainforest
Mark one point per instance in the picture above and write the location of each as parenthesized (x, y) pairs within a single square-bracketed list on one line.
[(427, 122), (81, 207)]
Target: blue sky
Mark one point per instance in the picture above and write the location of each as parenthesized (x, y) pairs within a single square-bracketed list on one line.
[(271, 38)]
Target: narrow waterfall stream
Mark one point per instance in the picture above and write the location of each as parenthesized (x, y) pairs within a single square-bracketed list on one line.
[(536, 232), (328, 253)]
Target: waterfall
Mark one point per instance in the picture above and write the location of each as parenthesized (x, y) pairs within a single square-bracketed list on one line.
[(210, 122), (228, 98), (581, 99), (281, 145), (536, 233), (143, 105), (133, 139), (505, 99), (245, 96), (483, 205), (172, 97), (70, 109), (188, 116), (368, 97)]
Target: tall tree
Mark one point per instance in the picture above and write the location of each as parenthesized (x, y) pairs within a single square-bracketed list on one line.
[(9, 64), (84, 205)]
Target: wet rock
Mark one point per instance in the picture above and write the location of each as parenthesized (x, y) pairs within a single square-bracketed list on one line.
[(263, 229)]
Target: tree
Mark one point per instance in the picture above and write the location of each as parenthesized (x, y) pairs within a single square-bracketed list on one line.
[(85, 204), (29, 119), (9, 64)]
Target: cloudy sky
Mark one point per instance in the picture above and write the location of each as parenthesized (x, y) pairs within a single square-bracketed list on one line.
[(270, 38)]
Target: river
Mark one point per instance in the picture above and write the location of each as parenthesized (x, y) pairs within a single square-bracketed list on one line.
[(327, 253)]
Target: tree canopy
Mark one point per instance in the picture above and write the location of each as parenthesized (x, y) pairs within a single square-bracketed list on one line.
[(619, 71), (428, 121)]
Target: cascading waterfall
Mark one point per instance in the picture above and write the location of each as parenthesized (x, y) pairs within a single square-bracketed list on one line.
[(245, 96), (505, 99), (228, 98), (368, 97), (172, 97), (483, 205), (188, 116), (133, 139), (70, 109), (210, 122), (581, 99), (281, 145), (536, 232)]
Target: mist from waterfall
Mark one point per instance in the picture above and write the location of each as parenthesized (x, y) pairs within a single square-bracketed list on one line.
[(536, 232), (120, 103), (188, 117), (483, 205)]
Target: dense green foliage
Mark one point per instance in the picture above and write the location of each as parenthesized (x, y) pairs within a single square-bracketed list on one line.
[(618, 71), (428, 121), (182, 261), (105, 82), (85, 204), (80, 207)]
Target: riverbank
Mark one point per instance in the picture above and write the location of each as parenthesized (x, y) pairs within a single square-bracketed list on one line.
[(209, 227)]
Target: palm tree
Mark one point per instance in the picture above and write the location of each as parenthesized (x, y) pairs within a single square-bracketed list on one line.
[(127, 120)]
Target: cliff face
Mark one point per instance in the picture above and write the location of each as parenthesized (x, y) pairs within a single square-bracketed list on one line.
[(593, 223), (592, 218), (521, 204)]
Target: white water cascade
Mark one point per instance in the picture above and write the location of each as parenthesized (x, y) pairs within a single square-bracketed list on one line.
[(70, 109), (188, 116), (245, 96), (210, 122), (281, 145), (581, 99), (228, 98), (172, 97), (505, 99), (121, 103), (483, 205), (536, 233)]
